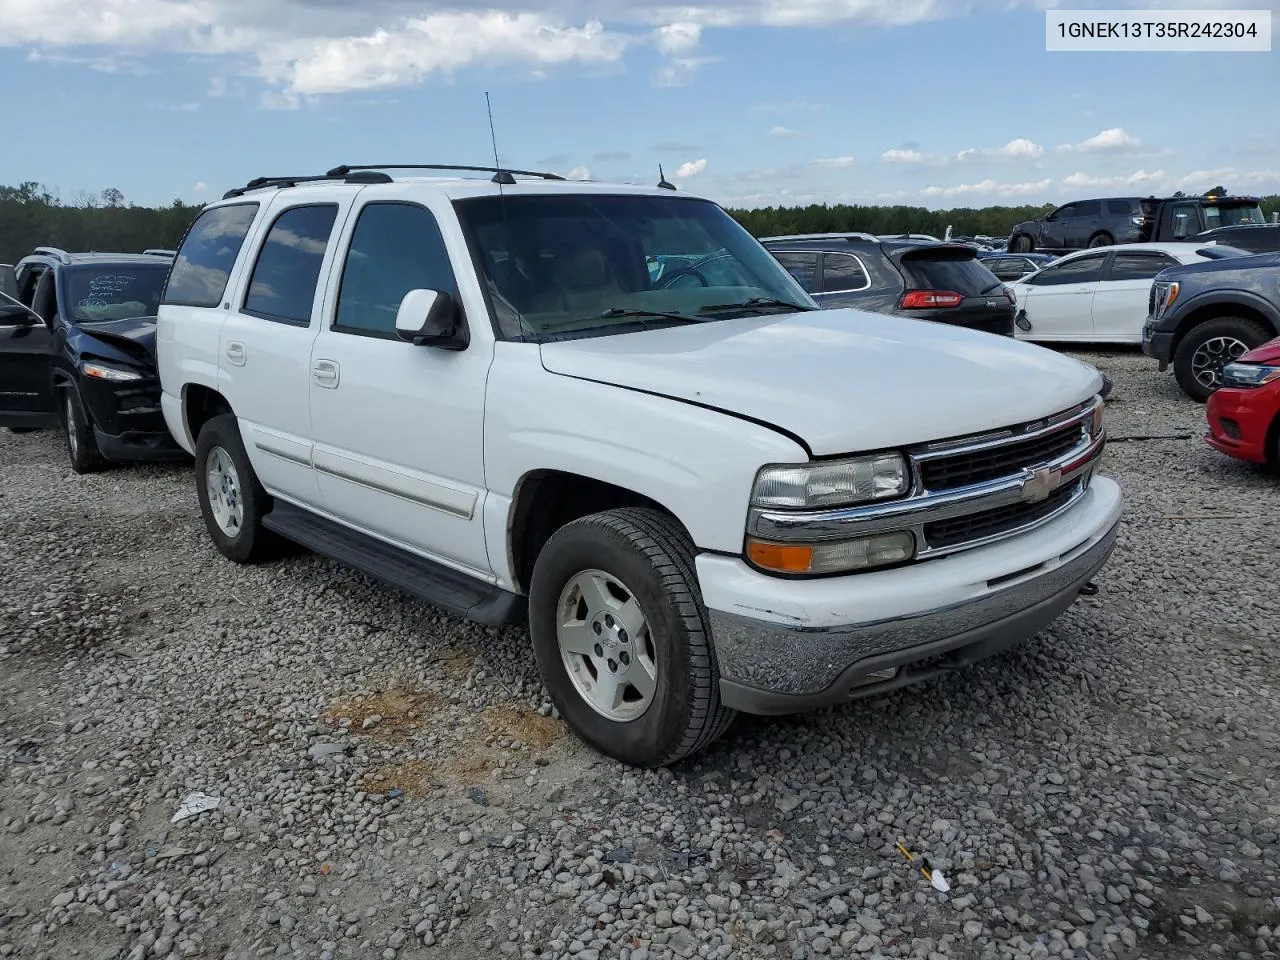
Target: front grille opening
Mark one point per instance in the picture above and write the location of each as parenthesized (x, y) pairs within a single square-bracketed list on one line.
[(977, 526), (965, 469)]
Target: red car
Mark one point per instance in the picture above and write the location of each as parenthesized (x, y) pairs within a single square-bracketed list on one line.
[(1244, 414)]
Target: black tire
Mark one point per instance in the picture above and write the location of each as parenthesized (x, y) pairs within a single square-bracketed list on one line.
[(250, 542), (82, 446), (1021, 243), (1249, 333), (1101, 240), (651, 554)]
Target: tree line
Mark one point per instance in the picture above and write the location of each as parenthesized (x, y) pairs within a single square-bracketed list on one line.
[(32, 215)]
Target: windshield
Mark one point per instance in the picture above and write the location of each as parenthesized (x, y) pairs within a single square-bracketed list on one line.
[(589, 265), (113, 292), (1232, 214)]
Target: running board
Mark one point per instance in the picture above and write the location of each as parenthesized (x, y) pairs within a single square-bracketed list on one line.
[(423, 579)]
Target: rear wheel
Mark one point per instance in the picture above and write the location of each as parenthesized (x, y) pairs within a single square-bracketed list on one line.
[(1210, 346), (82, 445), (232, 500), (1020, 244), (620, 634), (1101, 240)]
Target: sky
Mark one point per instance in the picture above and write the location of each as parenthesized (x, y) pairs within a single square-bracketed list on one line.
[(940, 103)]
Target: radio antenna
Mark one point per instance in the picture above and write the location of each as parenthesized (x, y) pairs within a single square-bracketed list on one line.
[(501, 177)]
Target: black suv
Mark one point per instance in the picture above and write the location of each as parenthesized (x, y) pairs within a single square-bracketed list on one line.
[(1254, 237), (77, 352), (944, 282), (1100, 223), (1204, 315)]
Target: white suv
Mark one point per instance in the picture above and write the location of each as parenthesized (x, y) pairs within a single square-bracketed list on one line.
[(609, 409)]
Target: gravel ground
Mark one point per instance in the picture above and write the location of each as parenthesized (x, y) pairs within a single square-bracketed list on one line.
[(392, 783)]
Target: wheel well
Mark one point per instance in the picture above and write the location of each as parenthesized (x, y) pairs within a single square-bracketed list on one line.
[(546, 500), (1213, 311), (200, 405), (1272, 449)]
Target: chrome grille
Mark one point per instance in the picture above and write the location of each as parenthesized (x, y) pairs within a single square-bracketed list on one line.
[(942, 534), (979, 466)]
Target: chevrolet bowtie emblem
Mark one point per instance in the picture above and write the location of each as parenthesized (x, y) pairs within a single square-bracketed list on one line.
[(1040, 483)]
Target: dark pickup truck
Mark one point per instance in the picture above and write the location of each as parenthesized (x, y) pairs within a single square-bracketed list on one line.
[(1204, 315), (1101, 223)]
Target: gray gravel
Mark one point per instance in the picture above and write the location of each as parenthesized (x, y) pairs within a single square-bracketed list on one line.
[(393, 784)]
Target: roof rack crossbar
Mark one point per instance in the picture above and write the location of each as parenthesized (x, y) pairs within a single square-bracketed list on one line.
[(260, 183), (56, 252), (346, 168)]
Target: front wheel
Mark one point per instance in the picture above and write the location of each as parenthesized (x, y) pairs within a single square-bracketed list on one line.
[(232, 500), (82, 445), (1101, 240), (1210, 346), (620, 634), (1020, 244)]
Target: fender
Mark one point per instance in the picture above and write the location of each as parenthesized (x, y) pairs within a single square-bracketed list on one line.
[(1217, 298)]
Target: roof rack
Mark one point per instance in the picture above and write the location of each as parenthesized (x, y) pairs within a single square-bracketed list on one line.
[(261, 183), (375, 173), (157, 252), (58, 254), (824, 236)]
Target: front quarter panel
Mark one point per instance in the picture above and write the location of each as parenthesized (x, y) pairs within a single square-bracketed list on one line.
[(697, 463)]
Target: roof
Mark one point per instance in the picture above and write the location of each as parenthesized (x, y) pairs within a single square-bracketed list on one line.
[(1173, 249)]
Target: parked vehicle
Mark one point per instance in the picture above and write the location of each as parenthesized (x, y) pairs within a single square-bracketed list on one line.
[(1014, 266), (705, 498), (77, 340), (1204, 315), (1101, 223), (946, 283), (1100, 295), (1244, 413), (1254, 237)]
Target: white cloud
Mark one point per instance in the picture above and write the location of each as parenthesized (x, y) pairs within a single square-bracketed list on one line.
[(580, 172), (990, 187), (1111, 140), (833, 163), (785, 133), (200, 187), (1233, 178), (1019, 148), (1140, 178), (691, 169), (903, 156), (677, 38)]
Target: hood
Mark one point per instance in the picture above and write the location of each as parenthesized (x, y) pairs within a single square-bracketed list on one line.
[(134, 337), (1269, 352), (842, 381), (1228, 265)]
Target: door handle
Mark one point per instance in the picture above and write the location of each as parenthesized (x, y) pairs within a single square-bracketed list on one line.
[(235, 353), (325, 373)]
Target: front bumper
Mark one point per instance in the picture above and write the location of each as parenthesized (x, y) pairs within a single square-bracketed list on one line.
[(1240, 421), (786, 646), (1157, 344), (138, 445)]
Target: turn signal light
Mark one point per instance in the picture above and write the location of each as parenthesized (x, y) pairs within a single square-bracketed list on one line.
[(928, 299)]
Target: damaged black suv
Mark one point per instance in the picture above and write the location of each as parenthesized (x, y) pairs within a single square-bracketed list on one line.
[(77, 352)]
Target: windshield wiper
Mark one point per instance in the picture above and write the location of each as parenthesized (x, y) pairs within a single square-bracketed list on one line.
[(759, 302), (668, 315)]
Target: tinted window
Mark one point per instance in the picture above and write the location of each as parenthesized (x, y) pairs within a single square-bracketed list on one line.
[(1079, 270), (396, 247), (802, 266), (1089, 208), (284, 279), (1139, 266), (964, 275), (842, 271), (1120, 207), (113, 293), (1066, 213), (208, 253)]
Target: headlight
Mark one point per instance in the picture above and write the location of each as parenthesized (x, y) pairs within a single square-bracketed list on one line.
[(1095, 422), (1246, 376), (833, 556), (831, 484), (108, 371), (1166, 293)]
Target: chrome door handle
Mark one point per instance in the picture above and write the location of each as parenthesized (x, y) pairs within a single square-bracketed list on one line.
[(235, 353), (325, 373)]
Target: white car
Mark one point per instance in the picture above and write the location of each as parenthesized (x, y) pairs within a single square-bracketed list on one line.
[(704, 497), (1099, 295)]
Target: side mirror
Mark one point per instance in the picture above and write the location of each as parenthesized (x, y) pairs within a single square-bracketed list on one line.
[(8, 280), (431, 318)]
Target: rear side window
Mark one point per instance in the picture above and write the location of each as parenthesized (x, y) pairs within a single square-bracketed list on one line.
[(203, 265), (1140, 266), (1089, 208), (283, 286), (1120, 207), (960, 274), (1080, 270), (802, 266), (843, 272), (396, 247)]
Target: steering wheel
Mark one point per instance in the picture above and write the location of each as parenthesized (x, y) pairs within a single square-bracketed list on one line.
[(679, 272)]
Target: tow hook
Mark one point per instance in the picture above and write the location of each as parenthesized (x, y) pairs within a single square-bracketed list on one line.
[(1089, 589)]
